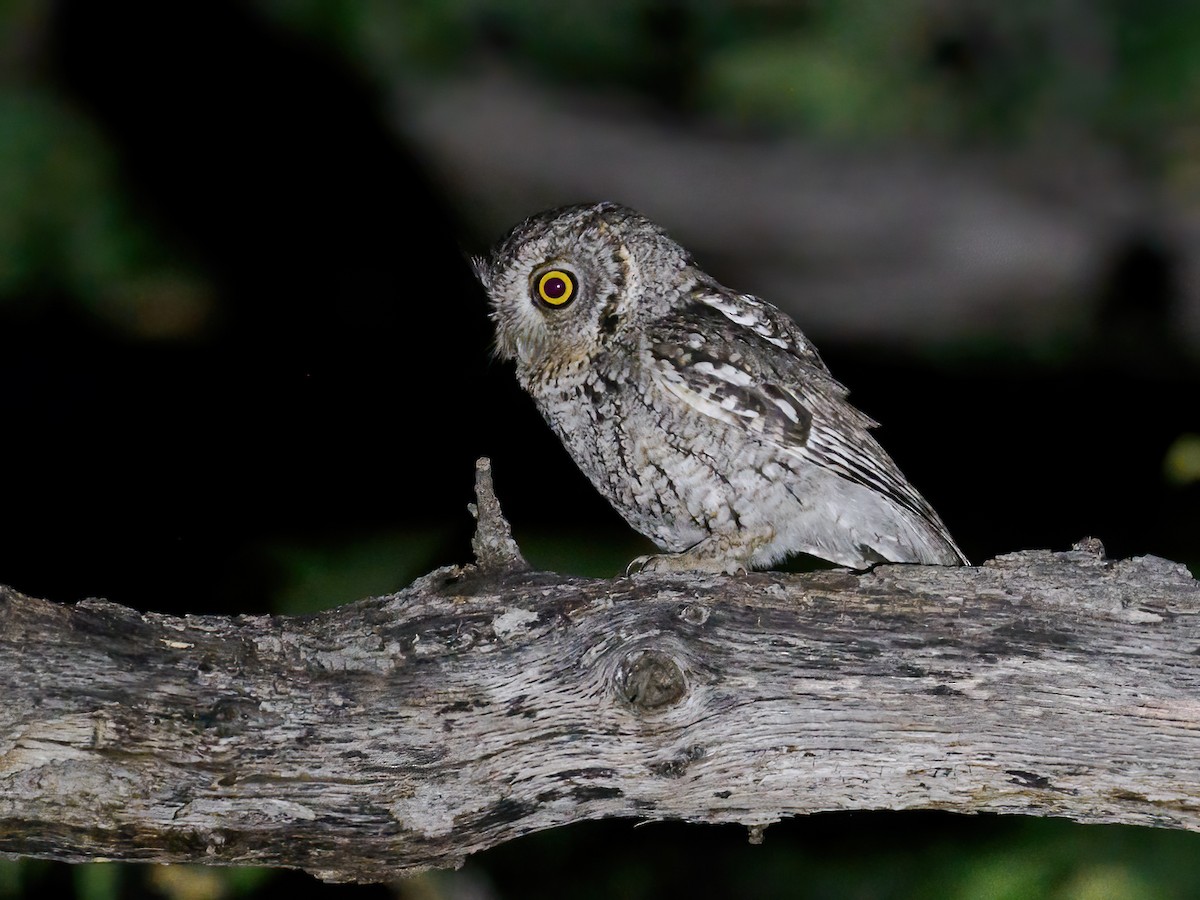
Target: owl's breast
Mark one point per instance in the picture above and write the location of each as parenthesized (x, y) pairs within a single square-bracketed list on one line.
[(627, 441), (585, 408)]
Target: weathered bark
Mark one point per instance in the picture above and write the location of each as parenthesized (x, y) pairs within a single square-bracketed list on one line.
[(484, 703)]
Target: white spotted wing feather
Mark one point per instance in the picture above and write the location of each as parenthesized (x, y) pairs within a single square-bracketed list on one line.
[(711, 356)]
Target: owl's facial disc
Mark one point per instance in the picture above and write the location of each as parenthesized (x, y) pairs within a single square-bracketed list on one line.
[(563, 282), (536, 306)]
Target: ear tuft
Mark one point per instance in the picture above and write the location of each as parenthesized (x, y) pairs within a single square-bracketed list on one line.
[(482, 269)]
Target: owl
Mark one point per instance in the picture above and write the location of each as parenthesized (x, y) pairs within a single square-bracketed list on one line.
[(704, 415)]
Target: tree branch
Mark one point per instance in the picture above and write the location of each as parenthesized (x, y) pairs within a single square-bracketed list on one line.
[(482, 703)]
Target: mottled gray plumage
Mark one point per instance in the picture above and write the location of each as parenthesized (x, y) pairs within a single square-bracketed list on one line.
[(704, 415)]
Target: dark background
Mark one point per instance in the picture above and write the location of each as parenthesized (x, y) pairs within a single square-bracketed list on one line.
[(244, 366)]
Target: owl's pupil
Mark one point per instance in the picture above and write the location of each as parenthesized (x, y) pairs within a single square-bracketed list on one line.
[(554, 287)]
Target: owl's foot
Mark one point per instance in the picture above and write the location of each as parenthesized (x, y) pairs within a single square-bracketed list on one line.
[(717, 554), (684, 562)]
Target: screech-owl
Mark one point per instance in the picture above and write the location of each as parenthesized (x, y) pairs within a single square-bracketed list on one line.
[(704, 415)]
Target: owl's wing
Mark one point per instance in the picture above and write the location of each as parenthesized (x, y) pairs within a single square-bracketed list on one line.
[(740, 360)]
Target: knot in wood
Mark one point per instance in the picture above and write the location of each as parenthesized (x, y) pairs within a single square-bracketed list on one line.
[(651, 679)]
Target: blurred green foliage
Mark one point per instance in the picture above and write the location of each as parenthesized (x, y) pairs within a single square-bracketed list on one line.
[(321, 576), (1025, 858), (1157, 48), (1022, 858), (1182, 463), (1130, 71), (98, 881), (316, 576), (580, 553), (202, 882), (67, 229), (112, 880), (10, 877)]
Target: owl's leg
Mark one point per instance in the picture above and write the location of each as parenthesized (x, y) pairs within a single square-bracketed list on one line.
[(723, 553)]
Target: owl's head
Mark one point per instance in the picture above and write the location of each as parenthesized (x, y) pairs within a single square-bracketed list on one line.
[(565, 281)]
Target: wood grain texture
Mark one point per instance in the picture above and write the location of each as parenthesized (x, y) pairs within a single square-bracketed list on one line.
[(477, 705)]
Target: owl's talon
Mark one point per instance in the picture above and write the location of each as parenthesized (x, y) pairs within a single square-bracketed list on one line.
[(637, 566), (715, 555)]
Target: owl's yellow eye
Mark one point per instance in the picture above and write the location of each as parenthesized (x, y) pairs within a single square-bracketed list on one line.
[(555, 287)]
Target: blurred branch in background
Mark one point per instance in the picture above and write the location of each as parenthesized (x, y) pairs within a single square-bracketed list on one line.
[(899, 247), (909, 173)]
